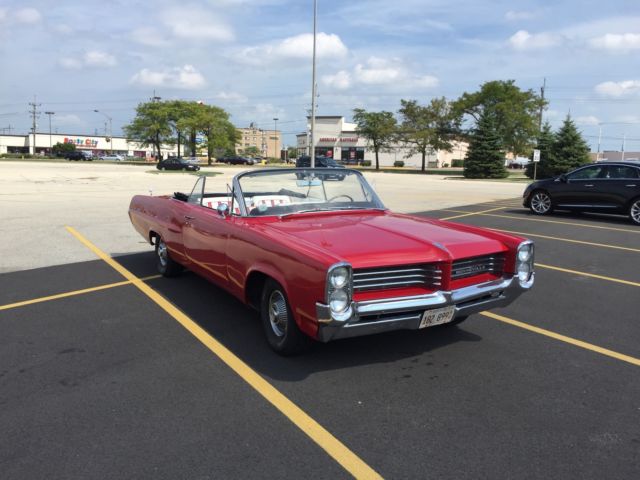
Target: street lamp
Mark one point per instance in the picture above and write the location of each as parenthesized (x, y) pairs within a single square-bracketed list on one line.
[(275, 137), (110, 129), (50, 113)]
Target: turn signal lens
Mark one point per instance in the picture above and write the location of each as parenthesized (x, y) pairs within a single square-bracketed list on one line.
[(524, 272)]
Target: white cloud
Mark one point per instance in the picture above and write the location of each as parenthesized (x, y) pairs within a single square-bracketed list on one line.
[(587, 120), (427, 81), (339, 81), (185, 77), (296, 47), (27, 16), (232, 97), (3, 14), (91, 59), (514, 16), (523, 40), (194, 23), (95, 58), (617, 43), (377, 74), (619, 89), (150, 36)]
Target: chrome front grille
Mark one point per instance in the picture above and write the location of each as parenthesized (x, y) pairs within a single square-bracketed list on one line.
[(427, 276), (469, 267)]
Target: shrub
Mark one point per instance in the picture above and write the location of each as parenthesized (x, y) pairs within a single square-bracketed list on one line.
[(366, 163), (398, 163), (457, 163)]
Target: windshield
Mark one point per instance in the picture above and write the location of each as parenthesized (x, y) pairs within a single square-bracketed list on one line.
[(291, 191)]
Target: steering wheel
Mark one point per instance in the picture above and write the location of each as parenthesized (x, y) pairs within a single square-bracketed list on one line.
[(338, 196)]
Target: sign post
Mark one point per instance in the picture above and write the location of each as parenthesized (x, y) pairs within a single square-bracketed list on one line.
[(536, 160)]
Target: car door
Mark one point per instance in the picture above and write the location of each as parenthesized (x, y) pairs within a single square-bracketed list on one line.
[(205, 236), (623, 184), (582, 188)]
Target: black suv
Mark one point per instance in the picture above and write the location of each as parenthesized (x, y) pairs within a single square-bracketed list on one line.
[(604, 187), (78, 155), (237, 160), (321, 162)]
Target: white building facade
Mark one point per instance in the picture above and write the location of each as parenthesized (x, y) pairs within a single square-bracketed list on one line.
[(338, 139), (96, 145)]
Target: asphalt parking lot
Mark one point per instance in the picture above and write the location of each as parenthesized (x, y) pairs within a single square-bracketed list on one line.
[(103, 375)]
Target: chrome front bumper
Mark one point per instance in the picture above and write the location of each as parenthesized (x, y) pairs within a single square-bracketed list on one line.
[(374, 316)]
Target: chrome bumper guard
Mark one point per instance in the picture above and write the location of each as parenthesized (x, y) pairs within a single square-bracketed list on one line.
[(374, 316)]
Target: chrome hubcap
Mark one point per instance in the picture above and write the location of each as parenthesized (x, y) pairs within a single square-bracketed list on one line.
[(163, 255), (541, 203), (278, 316), (635, 211)]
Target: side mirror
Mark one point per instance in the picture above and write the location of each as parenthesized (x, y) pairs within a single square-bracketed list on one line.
[(563, 178), (223, 210)]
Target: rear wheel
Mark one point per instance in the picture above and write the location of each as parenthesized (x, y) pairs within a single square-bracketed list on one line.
[(540, 203), (634, 211), (280, 327), (166, 265)]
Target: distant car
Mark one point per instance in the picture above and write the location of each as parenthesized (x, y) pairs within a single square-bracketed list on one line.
[(176, 164), (321, 162), (191, 160), (519, 162), (78, 155), (112, 158), (605, 187), (237, 160)]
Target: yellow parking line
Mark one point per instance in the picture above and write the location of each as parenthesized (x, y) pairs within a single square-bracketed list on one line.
[(563, 338), (558, 222), (334, 447), (591, 275), (72, 293), (602, 245), (472, 213)]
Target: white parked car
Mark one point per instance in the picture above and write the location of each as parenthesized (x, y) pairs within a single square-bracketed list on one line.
[(112, 158)]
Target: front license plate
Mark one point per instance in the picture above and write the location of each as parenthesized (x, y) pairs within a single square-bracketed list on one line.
[(437, 316)]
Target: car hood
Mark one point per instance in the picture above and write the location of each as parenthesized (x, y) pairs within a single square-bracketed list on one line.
[(383, 238)]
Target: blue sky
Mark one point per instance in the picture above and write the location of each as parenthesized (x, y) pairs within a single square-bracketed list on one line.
[(252, 57)]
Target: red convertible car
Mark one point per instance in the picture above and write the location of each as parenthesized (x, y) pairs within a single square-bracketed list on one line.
[(322, 258)]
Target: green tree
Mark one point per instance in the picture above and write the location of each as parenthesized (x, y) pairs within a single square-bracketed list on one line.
[(568, 151), (516, 112), (151, 126), (62, 149), (428, 128), (292, 153), (251, 151), (545, 145), (220, 134), (485, 158), (379, 128)]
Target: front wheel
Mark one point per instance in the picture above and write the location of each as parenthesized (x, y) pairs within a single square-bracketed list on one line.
[(540, 203), (280, 327), (166, 265), (634, 211)]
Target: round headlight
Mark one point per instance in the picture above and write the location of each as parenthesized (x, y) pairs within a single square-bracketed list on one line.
[(524, 253), (524, 272), (339, 277), (338, 301)]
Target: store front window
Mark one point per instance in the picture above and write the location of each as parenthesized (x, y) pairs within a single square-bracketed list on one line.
[(352, 155), (324, 152)]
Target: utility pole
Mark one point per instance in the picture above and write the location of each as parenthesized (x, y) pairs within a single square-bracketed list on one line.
[(313, 87), (275, 138), (599, 140), (50, 113), (624, 139), (34, 114), (542, 89), (110, 129)]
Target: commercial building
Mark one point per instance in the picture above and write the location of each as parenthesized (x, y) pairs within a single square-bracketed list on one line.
[(268, 142), (615, 156), (336, 138), (96, 145)]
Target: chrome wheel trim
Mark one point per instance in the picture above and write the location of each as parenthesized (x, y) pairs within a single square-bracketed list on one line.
[(278, 316), (541, 203), (635, 211), (163, 254)]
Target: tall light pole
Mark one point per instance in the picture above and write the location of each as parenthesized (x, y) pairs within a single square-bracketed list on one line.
[(50, 113), (110, 129), (275, 137), (313, 87)]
